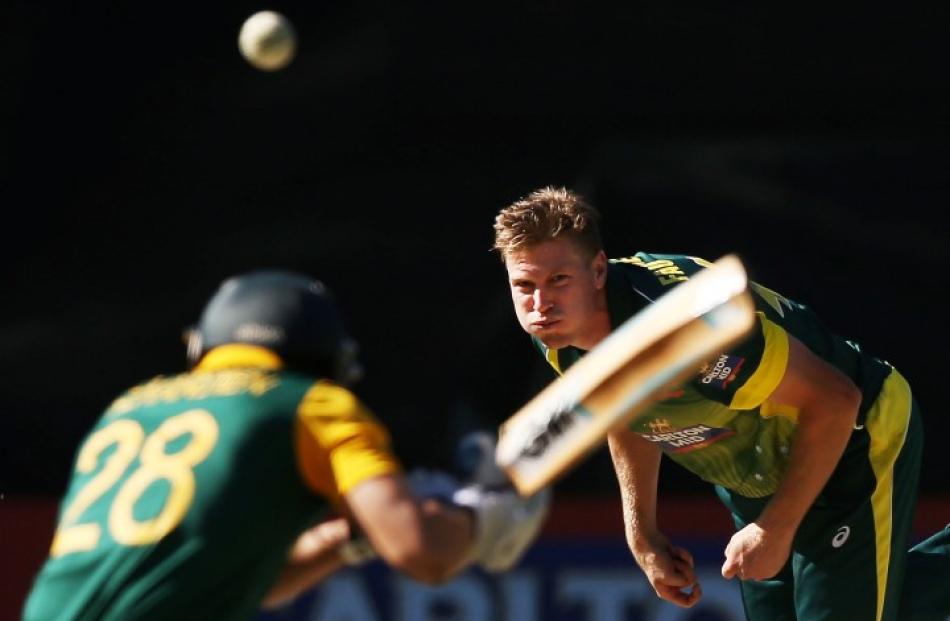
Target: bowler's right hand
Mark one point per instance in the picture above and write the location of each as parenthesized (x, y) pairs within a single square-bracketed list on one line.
[(670, 571)]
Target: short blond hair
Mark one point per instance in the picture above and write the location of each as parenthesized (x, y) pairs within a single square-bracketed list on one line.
[(547, 214)]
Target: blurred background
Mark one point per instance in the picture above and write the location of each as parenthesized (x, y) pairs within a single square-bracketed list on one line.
[(144, 161)]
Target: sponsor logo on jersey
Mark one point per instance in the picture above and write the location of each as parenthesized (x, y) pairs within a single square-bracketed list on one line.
[(673, 440), (721, 373)]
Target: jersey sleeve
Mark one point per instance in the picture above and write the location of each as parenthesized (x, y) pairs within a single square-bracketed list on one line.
[(339, 442), (744, 377)]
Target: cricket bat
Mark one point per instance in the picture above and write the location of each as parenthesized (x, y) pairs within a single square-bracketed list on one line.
[(660, 347)]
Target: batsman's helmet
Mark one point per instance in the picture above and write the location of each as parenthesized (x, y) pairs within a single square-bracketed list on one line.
[(288, 313)]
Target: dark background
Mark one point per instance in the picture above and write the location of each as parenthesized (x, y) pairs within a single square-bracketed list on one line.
[(144, 161)]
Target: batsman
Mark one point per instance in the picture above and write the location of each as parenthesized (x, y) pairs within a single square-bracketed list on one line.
[(255, 474), (813, 444)]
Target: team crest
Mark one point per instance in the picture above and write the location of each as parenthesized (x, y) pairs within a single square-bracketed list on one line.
[(661, 425)]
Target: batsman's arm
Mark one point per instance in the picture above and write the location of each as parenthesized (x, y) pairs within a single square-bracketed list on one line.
[(429, 540), (431, 530)]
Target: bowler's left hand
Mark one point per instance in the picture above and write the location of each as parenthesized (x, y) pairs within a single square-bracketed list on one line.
[(755, 553)]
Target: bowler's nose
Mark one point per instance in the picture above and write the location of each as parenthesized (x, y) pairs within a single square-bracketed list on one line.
[(543, 300)]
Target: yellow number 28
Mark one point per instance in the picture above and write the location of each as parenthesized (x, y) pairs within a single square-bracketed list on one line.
[(154, 465)]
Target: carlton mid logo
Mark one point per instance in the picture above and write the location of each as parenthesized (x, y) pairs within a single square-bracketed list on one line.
[(722, 372), (673, 440)]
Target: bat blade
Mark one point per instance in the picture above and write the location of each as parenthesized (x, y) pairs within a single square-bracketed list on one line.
[(653, 351)]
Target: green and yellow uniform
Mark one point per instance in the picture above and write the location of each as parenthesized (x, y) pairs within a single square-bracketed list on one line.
[(849, 553), (189, 491)]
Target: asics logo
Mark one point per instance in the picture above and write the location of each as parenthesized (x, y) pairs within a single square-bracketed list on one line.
[(840, 537)]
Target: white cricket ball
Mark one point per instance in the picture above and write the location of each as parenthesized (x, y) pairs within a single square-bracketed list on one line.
[(267, 41)]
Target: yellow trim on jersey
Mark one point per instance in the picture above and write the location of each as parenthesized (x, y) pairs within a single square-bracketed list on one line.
[(771, 368), (887, 423), (339, 443), (769, 409), (239, 355), (551, 356)]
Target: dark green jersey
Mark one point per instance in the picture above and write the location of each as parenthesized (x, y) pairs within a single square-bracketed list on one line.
[(189, 491), (721, 424)]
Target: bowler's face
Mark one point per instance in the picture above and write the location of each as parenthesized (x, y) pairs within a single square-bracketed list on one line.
[(557, 292)]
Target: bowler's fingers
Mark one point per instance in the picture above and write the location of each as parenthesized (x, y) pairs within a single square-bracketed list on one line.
[(681, 554), (693, 596), (731, 567), (685, 598), (683, 563)]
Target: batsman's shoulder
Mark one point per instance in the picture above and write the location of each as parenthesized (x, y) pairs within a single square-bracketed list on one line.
[(328, 399)]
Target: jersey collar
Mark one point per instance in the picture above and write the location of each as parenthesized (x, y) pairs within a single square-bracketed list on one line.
[(623, 299), (239, 355)]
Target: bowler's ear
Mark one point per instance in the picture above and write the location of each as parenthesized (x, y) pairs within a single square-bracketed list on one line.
[(599, 265)]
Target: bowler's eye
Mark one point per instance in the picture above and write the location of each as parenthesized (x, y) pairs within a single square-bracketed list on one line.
[(560, 279), (524, 286)]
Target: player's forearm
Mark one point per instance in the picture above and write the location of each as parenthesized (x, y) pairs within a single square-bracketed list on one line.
[(427, 540), (817, 446), (430, 542), (637, 466), (450, 535)]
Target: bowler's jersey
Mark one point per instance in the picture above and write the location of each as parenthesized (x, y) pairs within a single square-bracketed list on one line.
[(189, 491), (721, 425)]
